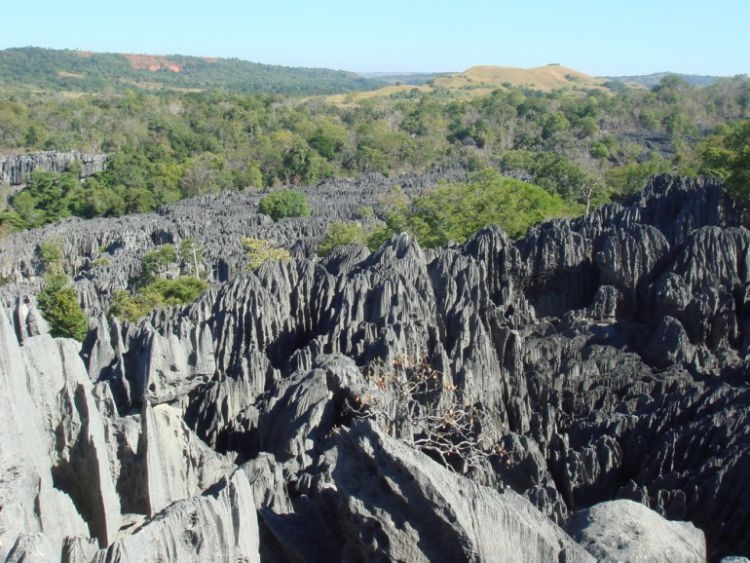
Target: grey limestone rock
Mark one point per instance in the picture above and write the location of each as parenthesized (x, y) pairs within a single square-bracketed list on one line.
[(623, 530), (434, 515), (219, 525), (79, 456), (35, 516), (606, 357), (14, 169), (177, 465)]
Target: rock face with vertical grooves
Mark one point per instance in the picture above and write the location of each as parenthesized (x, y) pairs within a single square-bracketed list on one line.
[(604, 358), (15, 169)]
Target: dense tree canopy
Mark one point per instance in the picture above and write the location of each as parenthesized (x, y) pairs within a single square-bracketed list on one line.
[(728, 156), (168, 145), (453, 212), (284, 203)]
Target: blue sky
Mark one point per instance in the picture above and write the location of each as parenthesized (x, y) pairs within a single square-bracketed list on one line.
[(597, 37)]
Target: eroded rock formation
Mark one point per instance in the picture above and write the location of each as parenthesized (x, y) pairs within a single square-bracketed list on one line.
[(15, 168), (602, 358)]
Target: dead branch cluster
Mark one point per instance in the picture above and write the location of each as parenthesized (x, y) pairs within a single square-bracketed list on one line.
[(420, 405)]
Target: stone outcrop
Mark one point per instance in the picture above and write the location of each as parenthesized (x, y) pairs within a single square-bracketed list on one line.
[(602, 359), (220, 525), (623, 530), (66, 475), (15, 168), (36, 516), (433, 514)]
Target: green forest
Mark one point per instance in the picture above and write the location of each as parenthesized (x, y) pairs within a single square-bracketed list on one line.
[(82, 71), (584, 147)]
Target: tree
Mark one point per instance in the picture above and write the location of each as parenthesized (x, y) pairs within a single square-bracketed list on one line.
[(51, 255), (554, 124), (421, 406), (184, 289), (154, 262), (630, 178), (339, 234), (59, 304), (158, 293), (728, 157), (191, 255), (204, 173), (284, 203), (452, 212), (259, 251), (132, 307)]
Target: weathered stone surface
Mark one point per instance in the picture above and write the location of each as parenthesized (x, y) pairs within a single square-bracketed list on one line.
[(35, 516), (177, 464), (15, 168), (61, 391), (395, 504), (606, 356), (623, 530), (219, 525)]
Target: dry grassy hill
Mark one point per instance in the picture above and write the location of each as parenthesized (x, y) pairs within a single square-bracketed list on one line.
[(550, 77), (481, 80)]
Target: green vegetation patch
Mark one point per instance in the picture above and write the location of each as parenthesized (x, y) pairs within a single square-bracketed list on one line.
[(58, 301), (154, 291), (158, 293), (284, 203), (587, 146), (59, 304), (453, 212), (259, 251), (727, 155)]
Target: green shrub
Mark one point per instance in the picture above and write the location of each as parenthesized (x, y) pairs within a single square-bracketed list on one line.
[(58, 303), (632, 177), (50, 252), (184, 289), (259, 251), (453, 212), (154, 262), (728, 157), (339, 234), (101, 262), (132, 307), (159, 293), (284, 203)]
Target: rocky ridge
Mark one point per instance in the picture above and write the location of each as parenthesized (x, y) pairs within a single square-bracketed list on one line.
[(601, 358), (15, 168)]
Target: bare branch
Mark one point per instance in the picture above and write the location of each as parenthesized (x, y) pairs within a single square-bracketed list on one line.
[(420, 405)]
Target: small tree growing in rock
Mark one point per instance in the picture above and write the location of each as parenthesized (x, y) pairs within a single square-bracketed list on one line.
[(284, 203), (191, 255), (259, 251), (155, 261), (58, 301), (420, 405), (338, 234)]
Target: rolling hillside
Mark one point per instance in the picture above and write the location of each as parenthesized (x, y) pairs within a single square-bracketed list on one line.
[(85, 71), (651, 80), (545, 78), (481, 80)]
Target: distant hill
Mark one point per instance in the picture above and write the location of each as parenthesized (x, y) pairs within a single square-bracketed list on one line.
[(86, 71), (481, 80), (396, 78), (546, 78), (651, 80)]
